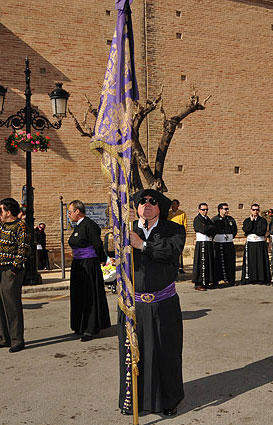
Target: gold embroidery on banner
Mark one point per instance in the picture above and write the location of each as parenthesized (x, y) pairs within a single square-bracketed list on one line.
[(110, 127)]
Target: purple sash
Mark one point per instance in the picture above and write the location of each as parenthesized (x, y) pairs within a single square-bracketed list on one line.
[(145, 297), (81, 253)]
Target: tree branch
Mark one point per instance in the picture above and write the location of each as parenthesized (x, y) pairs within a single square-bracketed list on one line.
[(142, 112), (85, 126), (78, 126), (137, 183), (169, 127)]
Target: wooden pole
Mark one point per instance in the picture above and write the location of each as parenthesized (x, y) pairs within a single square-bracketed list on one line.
[(134, 365), (135, 393)]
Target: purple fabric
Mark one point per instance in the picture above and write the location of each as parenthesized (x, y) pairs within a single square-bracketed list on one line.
[(121, 3), (145, 297), (113, 128), (81, 253), (124, 17)]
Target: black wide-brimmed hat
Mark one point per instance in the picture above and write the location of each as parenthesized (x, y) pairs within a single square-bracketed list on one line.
[(164, 203)]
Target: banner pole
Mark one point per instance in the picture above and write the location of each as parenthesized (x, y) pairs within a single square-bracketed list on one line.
[(134, 365), (135, 394)]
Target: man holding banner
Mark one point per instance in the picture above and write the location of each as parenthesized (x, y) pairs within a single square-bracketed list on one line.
[(157, 245)]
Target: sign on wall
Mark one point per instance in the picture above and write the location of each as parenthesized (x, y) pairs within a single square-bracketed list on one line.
[(98, 212)]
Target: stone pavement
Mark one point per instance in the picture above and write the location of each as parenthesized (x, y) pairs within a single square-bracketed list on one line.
[(227, 361)]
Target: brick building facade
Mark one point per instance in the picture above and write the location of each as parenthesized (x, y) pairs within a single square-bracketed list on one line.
[(222, 47)]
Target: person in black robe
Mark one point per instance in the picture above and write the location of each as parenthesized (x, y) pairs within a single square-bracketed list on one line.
[(255, 262), (270, 231), (89, 308), (224, 249), (157, 245), (203, 263), (42, 252)]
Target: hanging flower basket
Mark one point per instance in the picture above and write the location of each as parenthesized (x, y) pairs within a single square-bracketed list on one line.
[(27, 142)]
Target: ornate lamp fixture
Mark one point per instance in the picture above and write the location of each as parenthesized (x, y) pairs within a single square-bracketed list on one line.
[(59, 98), (27, 118)]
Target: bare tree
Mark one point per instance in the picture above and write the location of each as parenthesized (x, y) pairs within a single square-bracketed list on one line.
[(140, 163)]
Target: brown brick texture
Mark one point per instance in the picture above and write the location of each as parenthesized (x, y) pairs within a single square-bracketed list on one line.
[(225, 50)]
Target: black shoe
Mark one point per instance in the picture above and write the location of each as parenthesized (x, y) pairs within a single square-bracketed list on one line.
[(86, 338), (200, 288), (125, 412), (17, 348), (181, 270), (6, 344), (170, 412)]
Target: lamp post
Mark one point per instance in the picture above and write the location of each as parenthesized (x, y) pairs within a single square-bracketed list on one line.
[(29, 117)]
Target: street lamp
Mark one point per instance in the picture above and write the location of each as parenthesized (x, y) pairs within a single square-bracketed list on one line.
[(59, 98), (29, 117)]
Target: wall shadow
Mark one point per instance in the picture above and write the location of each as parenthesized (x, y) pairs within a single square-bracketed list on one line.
[(13, 54), (266, 4), (44, 75)]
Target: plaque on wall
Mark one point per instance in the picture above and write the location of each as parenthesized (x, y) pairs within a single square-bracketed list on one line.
[(98, 212)]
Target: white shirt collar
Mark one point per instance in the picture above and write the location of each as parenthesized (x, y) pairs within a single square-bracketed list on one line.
[(79, 221), (145, 231)]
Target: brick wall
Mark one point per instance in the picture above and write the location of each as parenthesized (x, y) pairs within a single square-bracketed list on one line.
[(225, 50)]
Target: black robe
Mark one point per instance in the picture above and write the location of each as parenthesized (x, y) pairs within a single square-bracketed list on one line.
[(42, 254), (203, 263), (89, 308), (224, 253), (159, 324), (271, 243), (255, 262)]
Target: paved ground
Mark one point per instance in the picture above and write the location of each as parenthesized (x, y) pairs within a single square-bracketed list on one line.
[(227, 362)]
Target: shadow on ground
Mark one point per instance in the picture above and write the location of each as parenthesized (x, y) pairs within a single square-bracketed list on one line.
[(189, 315), (216, 389), (36, 343), (33, 306)]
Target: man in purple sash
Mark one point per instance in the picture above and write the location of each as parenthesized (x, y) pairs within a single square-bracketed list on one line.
[(157, 244), (89, 308)]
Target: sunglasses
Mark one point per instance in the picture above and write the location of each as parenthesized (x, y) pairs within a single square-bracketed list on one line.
[(226, 209), (151, 201), (255, 209), (204, 209)]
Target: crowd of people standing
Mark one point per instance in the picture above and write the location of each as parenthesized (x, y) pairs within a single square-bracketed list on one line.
[(158, 238), (215, 254)]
